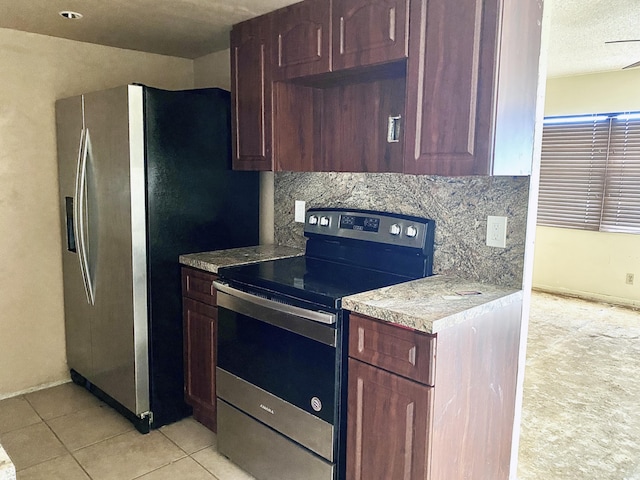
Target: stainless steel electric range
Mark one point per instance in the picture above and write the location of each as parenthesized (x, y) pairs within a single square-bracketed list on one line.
[(281, 375)]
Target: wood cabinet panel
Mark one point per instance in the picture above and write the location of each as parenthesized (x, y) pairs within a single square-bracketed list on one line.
[(398, 350), (338, 127), (472, 78), (198, 285), (297, 139), (387, 425), (445, 79), (474, 399), (251, 84), (300, 39), (199, 323), (369, 32), (354, 127)]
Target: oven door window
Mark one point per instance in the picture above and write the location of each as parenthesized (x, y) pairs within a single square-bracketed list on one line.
[(297, 369)]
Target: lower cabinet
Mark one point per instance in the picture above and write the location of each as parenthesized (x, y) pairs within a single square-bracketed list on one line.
[(200, 318), (389, 401), (417, 412), (388, 425)]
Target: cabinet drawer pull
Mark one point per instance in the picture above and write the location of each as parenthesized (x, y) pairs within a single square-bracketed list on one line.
[(412, 356)]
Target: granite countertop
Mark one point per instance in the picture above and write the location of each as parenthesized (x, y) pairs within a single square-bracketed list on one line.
[(212, 261), (431, 304), (7, 470)]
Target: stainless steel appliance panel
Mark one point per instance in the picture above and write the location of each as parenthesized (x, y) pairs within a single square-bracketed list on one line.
[(265, 453), (293, 319), (110, 199), (78, 311), (306, 429)]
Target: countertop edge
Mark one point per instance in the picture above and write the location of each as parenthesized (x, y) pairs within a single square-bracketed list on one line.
[(388, 305), (213, 260)]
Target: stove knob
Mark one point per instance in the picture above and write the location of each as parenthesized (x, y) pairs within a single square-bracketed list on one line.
[(313, 220), (395, 229), (412, 231), (324, 221)]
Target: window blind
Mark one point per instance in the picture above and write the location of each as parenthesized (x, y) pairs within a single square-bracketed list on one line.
[(590, 173), (621, 212), (574, 160)]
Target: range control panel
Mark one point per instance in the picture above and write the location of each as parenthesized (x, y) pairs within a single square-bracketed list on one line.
[(380, 227)]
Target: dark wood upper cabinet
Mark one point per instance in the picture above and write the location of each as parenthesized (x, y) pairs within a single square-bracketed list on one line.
[(251, 87), (435, 87), (369, 32), (471, 87), (300, 39)]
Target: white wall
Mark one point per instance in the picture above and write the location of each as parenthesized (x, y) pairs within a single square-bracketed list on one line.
[(589, 264), (213, 70), (36, 70)]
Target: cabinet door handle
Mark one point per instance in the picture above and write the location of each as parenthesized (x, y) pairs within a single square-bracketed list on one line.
[(393, 129), (392, 24)]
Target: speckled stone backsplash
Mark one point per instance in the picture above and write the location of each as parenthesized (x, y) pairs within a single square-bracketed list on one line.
[(459, 205)]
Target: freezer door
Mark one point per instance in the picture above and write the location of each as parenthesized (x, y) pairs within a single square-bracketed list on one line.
[(78, 311), (114, 232)]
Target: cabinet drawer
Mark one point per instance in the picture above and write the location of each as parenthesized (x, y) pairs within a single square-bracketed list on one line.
[(198, 285), (393, 348)]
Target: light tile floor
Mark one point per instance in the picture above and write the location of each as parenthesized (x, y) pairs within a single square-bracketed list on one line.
[(65, 433), (581, 415)]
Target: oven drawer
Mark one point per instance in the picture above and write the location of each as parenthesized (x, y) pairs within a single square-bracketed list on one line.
[(265, 453), (198, 285), (393, 348), (304, 428)]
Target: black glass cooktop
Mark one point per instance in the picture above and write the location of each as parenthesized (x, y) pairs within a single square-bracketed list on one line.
[(313, 280)]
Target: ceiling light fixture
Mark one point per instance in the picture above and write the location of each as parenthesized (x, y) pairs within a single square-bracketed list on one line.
[(70, 15)]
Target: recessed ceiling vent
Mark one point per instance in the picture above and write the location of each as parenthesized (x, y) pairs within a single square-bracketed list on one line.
[(71, 15)]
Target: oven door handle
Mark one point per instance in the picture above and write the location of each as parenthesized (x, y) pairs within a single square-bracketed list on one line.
[(309, 323)]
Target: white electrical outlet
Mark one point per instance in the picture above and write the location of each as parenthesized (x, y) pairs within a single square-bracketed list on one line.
[(496, 231), (300, 211)]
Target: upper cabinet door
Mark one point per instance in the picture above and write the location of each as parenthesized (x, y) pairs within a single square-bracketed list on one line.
[(368, 32), (300, 39), (251, 86), (450, 86)]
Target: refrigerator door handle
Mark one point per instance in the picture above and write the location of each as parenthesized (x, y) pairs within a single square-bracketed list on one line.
[(79, 212)]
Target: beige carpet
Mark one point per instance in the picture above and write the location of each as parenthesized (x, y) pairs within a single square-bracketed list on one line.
[(581, 410)]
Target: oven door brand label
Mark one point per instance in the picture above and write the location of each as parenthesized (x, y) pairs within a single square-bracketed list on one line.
[(267, 409), (316, 404)]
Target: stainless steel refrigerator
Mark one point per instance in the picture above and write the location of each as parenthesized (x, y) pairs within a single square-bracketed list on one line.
[(145, 175)]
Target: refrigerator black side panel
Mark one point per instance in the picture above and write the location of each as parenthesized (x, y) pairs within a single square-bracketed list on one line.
[(195, 203)]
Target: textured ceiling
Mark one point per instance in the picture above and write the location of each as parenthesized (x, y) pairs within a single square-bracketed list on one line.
[(193, 28), (578, 31)]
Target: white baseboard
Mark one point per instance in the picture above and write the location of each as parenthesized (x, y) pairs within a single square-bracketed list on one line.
[(594, 297), (34, 389)]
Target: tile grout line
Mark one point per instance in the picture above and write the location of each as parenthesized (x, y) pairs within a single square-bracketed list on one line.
[(190, 455)]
